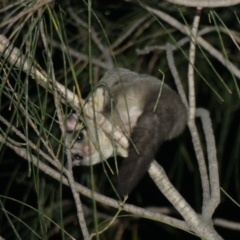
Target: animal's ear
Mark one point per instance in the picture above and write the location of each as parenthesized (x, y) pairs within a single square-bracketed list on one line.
[(72, 121)]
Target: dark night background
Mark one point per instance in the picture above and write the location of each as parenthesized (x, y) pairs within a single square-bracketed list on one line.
[(18, 191)]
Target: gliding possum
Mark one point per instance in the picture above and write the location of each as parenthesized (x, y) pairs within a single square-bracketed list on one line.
[(146, 110)]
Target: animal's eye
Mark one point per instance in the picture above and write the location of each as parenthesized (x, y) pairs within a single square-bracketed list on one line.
[(78, 157), (80, 137)]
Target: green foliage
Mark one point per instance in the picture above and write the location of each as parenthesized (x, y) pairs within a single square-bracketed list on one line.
[(33, 206)]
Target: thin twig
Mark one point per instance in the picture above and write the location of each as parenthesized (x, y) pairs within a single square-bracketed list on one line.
[(227, 224), (173, 69), (233, 35), (61, 120), (191, 81), (195, 223), (133, 27), (32, 124), (192, 110), (2, 10), (104, 49), (54, 161), (79, 56), (31, 10), (15, 57), (214, 200), (205, 3), (182, 28), (89, 193)]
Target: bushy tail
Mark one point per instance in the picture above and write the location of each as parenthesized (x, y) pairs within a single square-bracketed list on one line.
[(147, 135)]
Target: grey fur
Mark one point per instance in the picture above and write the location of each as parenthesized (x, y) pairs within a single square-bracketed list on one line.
[(135, 96)]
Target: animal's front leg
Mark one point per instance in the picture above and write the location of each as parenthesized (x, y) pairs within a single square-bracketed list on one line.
[(96, 101)]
